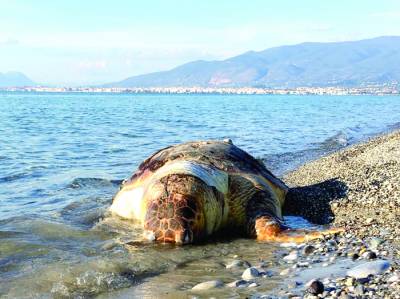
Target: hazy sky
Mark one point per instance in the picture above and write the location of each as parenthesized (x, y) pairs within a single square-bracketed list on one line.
[(81, 42)]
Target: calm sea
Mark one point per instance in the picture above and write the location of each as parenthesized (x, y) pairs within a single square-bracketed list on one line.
[(62, 157)]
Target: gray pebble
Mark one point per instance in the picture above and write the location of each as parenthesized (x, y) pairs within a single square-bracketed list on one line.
[(359, 290), (375, 242), (250, 273)]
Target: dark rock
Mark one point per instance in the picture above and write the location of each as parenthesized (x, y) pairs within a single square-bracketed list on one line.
[(308, 249), (316, 287), (354, 256), (370, 255)]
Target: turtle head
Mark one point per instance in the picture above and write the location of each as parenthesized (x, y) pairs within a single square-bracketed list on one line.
[(176, 218), (180, 209)]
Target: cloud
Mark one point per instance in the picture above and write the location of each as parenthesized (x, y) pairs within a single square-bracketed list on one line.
[(386, 14), (8, 42), (92, 65)]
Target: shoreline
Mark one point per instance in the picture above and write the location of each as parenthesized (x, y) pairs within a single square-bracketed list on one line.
[(368, 170), (356, 188)]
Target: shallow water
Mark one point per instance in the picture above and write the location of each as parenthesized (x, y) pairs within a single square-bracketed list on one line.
[(62, 157)]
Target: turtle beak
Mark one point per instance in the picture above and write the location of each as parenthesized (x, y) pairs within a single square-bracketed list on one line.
[(184, 237), (179, 237)]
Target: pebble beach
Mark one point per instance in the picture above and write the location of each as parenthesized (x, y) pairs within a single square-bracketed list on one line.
[(357, 189)]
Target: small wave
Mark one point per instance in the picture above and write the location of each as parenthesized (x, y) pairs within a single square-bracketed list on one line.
[(335, 142), (129, 135), (92, 183), (13, 177), (394, 126), (9, 234), (283, 162), (297, 222), (114, 151), (85, 213)]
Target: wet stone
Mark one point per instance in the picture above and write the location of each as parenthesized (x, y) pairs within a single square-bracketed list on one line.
[(293, 284), (291, 257), (267, 274), (354, 256), (308, 249), (285, 272), (234, 264), (331, 244), (238, 284), (250, 273), (359, 290), (363, 280), (207, 285), (369, 255), (315, 287)]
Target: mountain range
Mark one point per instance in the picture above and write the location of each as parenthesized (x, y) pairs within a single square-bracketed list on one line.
[(351, 63), (15, 79)]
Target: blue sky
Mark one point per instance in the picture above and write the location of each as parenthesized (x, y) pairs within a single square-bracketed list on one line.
[(82, 42)]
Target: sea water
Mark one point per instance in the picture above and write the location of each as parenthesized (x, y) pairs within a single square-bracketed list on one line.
[(63, 156)]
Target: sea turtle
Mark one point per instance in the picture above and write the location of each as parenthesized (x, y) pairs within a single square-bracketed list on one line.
[(186, 192)]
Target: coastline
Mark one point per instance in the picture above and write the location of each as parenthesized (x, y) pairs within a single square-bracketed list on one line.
[(377, 90), (358, 188)]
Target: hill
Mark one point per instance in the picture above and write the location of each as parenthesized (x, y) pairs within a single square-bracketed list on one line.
[(352, 63), (15, 79)]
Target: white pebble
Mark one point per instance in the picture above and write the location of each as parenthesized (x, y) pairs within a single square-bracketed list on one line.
[(207, 285), (234, 264), (250, 273), (394, 278), (291, 257), (285, 272)]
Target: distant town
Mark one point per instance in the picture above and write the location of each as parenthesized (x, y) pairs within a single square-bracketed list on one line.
[(389, 89)]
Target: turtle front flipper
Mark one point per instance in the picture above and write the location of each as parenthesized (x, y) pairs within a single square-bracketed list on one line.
[(265, 222), (269, 229)]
